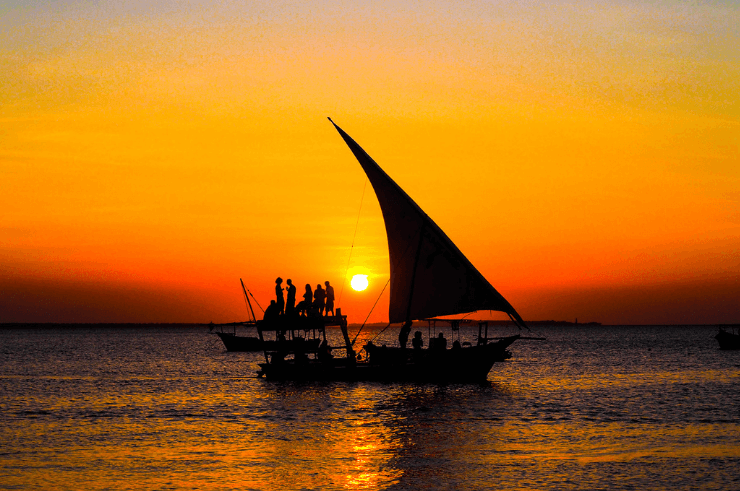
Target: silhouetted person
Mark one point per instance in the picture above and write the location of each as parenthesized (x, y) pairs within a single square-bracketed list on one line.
[(456, 345), (403, 335), (417, 342), (318, 299), (441, 343), (290, 304), (272, 312), (329, 298), (279, 294), (304, 306)]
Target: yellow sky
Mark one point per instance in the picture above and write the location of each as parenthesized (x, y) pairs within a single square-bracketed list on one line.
[(583, 156)]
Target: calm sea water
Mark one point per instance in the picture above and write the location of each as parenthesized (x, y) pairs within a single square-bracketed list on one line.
[(168, 408)]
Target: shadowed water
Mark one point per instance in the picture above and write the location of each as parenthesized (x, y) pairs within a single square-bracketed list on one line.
[(168, 408)]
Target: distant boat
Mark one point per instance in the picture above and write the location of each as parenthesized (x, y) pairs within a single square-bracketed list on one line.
[(429, 277), (232, 342), (728, 340), (289, 341)]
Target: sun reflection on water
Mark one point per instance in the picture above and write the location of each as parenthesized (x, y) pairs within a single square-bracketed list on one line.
[(168, 410), (371, 452)]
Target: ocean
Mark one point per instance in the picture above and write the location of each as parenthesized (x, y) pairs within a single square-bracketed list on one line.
[(166, 407)]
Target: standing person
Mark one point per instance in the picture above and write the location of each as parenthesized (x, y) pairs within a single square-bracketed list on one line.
[(305, 305), (290, 304), (318, 299), (280, 301), (329, 298)]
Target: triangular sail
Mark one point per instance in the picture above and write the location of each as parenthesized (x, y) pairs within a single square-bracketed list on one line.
[(429, 275)]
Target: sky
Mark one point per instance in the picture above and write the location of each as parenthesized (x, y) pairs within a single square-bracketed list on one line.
[(583, 155)]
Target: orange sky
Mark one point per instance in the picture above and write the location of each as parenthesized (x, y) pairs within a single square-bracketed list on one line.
[(584, 157)]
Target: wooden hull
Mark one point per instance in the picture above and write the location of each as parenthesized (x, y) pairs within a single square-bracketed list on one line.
[(728, 340), (240, 343), (248, 343), (469, 364)]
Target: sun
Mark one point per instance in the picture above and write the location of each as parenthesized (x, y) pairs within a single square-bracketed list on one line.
[(359, 282)]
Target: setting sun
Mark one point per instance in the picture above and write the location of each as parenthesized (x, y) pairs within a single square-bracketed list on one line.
[(359, 282)]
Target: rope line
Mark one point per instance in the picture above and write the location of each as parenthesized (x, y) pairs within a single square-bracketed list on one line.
[(371, 311), (386, 286), (246, 304), (381, 332), (357, 223), (255, 300), (374, 338)]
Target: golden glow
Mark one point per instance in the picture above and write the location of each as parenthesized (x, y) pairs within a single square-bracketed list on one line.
[(149, 158), (359, 282)]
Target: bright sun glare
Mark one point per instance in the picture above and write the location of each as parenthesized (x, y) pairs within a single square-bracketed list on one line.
[(359, 282)]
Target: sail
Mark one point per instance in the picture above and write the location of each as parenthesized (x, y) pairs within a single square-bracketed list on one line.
[(429, 275)]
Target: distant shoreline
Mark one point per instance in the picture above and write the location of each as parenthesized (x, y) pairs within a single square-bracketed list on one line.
[(375, 325)]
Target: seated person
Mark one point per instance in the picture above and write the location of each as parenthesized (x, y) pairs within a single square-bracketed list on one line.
[(417, 342), (302, 308), (272, 312), (304, 305), (441, 343), (456, 344)]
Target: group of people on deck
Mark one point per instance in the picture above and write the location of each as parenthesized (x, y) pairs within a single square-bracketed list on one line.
[(315, 303)]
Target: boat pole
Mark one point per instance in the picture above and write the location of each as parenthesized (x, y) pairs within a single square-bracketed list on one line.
[(348, 344), (244, 289), (259, 329)]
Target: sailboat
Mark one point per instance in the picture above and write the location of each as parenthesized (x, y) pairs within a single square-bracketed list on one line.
[(429, 277), (231, 340), (728, 340)]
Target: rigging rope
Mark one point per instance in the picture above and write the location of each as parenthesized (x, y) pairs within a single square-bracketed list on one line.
[(383, 290), (371, 311), (516, 323), (381, 293), (381, 332), (246, 304), (255, 300), (357, 223), (374, 338)]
